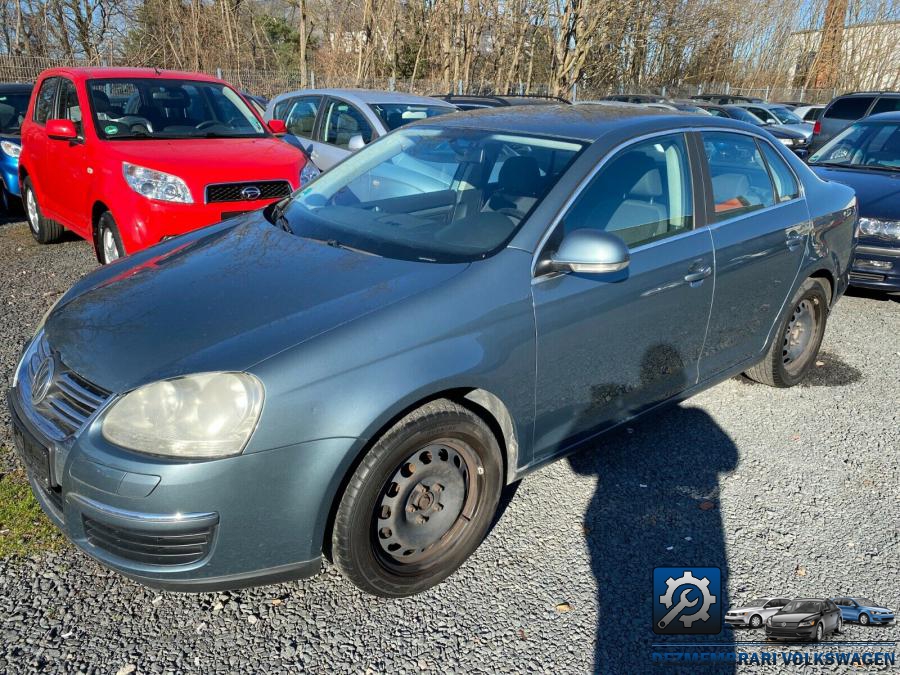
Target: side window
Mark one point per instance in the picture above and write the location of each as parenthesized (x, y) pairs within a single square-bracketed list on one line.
[(343, 122), (281, 108), (812, 115), (43, 106), (886, 104), (786, 186), (740, 181), (301, 117), (764, 115), (641, 195), (850, 108), (69, 108), (716, 112)]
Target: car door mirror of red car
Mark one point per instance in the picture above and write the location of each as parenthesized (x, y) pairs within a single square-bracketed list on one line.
[(62, 130), (277, 127)]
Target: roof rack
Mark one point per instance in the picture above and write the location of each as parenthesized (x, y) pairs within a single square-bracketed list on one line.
[(499, 97)]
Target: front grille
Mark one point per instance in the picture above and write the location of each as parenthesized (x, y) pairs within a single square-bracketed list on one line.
[(153, 548), (69, 401), (234, 192)]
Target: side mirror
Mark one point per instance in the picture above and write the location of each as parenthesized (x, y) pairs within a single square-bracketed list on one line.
[(590, 252), (61, 130), (356, 142), (277, 127)]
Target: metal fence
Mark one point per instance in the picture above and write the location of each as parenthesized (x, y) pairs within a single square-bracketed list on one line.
[(271, 82)]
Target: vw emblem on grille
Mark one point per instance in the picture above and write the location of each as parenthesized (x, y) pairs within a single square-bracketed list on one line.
[(783, 624), (250, 193), (43, 378)]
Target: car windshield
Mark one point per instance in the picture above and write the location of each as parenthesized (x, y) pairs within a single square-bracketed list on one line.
[(801, 607), (873, 145), (430, 194), (785, 116), (744, 115), (12, 111), (395, 115), (154, 108), (865, 602)]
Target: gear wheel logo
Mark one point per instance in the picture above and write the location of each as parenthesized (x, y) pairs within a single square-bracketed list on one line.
[(687, 601)]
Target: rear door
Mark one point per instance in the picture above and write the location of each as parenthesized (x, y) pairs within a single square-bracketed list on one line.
[(760, 226), (69, 160)]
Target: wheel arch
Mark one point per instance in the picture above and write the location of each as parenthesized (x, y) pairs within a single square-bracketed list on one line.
[(98, 208), (488, 406), (826, 275)]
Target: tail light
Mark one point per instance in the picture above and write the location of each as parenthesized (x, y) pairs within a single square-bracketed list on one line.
[(817, 128)]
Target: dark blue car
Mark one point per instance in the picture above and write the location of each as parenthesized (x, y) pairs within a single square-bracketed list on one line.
[(357, 371), (863, 611), (13, 105), (866, 156)]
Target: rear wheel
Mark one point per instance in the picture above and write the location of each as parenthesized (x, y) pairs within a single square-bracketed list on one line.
[(420, 502), (109, 242), (796, 345), (44, 230)]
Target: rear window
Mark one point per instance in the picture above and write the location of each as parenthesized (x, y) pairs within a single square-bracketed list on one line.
[(886, 104), (850, 108)]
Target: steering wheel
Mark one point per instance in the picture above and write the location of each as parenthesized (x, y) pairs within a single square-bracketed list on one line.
[(206, 124)]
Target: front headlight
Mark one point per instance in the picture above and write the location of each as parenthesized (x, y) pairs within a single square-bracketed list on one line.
[(308, 173), (883, 229), (807, 623), (156, 184), (790, 142), (11, 149), (193, 417), (769, 621)]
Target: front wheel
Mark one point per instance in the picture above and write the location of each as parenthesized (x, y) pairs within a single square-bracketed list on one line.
[(864, 619), (796, 344), (755, 621), (420, 502), (839, 628), (820, 632), (109, 242)]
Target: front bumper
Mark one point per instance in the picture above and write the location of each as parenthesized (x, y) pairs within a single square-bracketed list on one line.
[(737, 620), (881, 618), (883, 275), (9, 173), (241, 521), (788, 633)]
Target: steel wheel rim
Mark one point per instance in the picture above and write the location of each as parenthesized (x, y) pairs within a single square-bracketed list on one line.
[(799, 337), (426, 505), (110, 250), (31, 207)]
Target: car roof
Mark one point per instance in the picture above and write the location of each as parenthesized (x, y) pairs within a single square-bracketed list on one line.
[(101, 73), (586, 122), (367, 96), (892, 116), (16, 87), (869, 93), (496, 100)]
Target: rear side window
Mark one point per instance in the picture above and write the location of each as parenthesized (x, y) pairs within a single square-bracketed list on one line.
[(740, 181), (886, 104), (850, 108), (43, 106), (785, 183)]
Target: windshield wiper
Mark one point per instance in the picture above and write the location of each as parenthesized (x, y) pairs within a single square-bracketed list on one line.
[(278, 217)]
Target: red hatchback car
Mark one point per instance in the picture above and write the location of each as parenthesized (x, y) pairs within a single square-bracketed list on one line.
[(126, 157)]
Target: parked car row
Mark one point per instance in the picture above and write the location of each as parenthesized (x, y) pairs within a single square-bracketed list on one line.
[(807, 618)]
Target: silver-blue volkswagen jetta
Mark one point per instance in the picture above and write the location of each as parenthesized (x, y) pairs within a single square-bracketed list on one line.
[(358, 371)]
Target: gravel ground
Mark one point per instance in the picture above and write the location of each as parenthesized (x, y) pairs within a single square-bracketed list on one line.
[(790, 492)]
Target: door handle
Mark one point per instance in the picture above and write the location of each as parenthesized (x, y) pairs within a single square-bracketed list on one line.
[(794, 240), (699, 274)]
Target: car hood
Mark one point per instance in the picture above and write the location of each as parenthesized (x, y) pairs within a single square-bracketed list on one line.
[(791, 618), (880, 608), (225, 298), (217, 160), (805, 129), (878, 192)]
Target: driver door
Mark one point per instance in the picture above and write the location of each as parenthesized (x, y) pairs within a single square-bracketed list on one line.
[(70, 161), (611, 345)]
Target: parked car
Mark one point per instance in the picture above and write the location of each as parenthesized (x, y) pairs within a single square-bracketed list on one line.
[(809, 113), (680, 106), (844, 110), (331, 124), (866, 156), (779, 116), (176, 152), (13, 104), (805, 618), (726, 99), (794, 140), (362, 376), (259, 103), (477, 102), (792, 105), (863, 611), (755, 613), (635, 98)]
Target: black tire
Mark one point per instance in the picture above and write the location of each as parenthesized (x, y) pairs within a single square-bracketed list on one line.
[(863, 619), (796, 344), (391, 537), (109, 242), (44, 230), (820, 632), (839, 628), (755, 621)]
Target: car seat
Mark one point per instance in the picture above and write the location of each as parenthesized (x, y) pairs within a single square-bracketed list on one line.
[(519, 183)]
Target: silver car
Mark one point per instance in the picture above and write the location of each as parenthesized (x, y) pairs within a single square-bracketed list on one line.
[(330, 124), (780, 116), (756, 613)]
